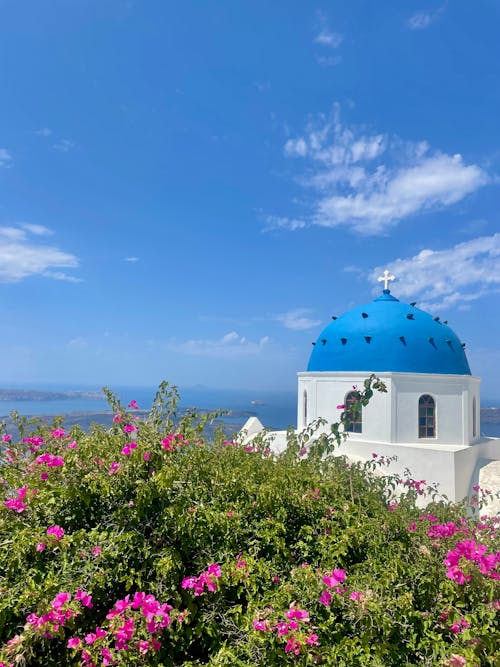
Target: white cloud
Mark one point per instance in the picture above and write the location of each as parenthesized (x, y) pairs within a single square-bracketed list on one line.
[(21, 258), (38, 230), (64, 145), (329, 61), (44, 132), (371, 181), (229, 346), (78, 343), (449, 278), (277, 222), (326, 36), (5, 158), (297, 319), (423, 19), (132, 260)]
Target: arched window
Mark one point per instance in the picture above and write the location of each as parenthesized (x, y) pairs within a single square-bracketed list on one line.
[(354, 412), (426, 417), (305, 407), (474, 418)]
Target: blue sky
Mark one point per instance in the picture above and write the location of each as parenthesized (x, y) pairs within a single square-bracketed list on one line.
[(190, 190)]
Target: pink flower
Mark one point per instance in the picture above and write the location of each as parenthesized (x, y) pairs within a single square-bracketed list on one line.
[(84, 598), (392, 506), (133, 404), (312, 640), (412, 527), (41, 546), (72, 445), (126, 451), (60, 600), (146, 456), (74, 642), (6, 438), (455, 661), (299, 614), (334, 579), (57, 531), (292, 646), (143, 645), (58, 433), (17, 504), (117, 419), (357, 596), (259, 625), (96, 551), (129, 428), (44, 476), (326, 598), (341, 406), (114, 467)]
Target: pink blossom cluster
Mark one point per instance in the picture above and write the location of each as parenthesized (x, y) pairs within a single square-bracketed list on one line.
[(17, 504), (332, 581), (34, 442), (127, 450), (124, 630), (56, 531), (207, 580), (50, 460), (417, 485), (292, 629), (58, 433), (172, 441), (129, 428), (443, 530), (473, 552), (49, 624)]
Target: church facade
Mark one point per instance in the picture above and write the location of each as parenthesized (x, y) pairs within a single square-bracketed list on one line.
[(430, 416)]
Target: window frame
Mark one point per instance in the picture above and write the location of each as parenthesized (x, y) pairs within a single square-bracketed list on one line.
[(429, 420), (354, 425)]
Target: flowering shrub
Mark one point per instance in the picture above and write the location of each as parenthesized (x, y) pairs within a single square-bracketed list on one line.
[(146, 544)]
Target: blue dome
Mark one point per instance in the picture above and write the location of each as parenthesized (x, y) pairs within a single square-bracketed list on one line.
[(387, 335)]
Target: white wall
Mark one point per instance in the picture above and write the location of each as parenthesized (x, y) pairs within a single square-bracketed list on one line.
[(393, 416)]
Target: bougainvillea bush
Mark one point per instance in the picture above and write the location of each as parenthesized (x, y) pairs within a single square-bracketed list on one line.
[(145, 544)]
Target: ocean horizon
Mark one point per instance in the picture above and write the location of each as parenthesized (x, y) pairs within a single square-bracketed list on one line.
[(275, 409)]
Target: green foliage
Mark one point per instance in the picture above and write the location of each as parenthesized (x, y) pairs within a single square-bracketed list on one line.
[(144, 510)]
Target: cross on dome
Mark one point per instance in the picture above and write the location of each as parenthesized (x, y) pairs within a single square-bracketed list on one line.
[(386, 278)]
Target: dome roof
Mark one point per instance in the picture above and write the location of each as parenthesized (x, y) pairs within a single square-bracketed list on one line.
[(388, 335)]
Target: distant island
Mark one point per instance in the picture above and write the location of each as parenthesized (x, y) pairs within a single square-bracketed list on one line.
[(35, 395)]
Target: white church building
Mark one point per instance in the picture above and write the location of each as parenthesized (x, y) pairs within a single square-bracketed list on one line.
[(430, 416)]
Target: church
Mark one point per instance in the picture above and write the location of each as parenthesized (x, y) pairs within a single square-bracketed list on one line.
[(430, 416)]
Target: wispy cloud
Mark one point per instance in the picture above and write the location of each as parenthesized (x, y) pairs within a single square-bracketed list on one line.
[(132, 260), (21, 257), (423, 19), (37, 230), (78, 343), (44, 132), (450, 278), (325, 36), (229, 346), (371, 181), (64, 145), (5, 158), (298, 319)]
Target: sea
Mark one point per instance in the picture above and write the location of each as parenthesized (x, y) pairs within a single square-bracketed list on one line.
[(275, 409)]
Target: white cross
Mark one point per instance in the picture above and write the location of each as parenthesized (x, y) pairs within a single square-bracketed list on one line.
[(385, 279)]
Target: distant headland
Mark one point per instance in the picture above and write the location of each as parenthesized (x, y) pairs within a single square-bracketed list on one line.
[(35, 395)]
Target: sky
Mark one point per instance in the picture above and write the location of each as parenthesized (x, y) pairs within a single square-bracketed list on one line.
[(190, 190)]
